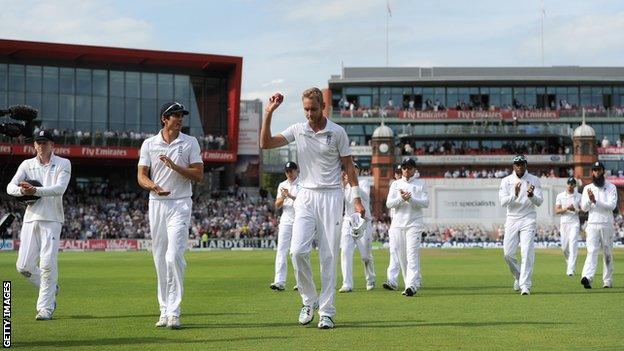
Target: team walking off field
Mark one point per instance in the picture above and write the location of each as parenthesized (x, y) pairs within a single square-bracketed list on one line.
[(323, 204)]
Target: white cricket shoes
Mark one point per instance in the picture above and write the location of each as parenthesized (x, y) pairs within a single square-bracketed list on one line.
[(345, 289), (307, 314), (389, 286), (370, 286), (516, 285), (162, 322), (277, 287), (44, 315), (325, 322), (409, 292), (525, 291), (173, 322)]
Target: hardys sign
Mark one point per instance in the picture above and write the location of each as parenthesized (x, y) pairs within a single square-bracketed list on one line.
[(241, 244)]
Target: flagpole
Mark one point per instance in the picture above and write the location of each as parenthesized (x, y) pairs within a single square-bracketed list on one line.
[(542, 32), (387, 19)]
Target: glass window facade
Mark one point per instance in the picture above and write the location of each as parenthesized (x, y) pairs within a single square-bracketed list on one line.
[(542, 97), (99, 99)]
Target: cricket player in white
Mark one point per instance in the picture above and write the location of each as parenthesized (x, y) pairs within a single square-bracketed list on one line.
[(520, 192), (348, 242), (322, 147), (568, 205), (392, 272), (168, 162), (408, 196), (43, 219), (286, 194), (599, 199)]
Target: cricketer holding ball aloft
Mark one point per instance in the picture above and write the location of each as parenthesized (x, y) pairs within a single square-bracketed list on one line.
[(322, 147)]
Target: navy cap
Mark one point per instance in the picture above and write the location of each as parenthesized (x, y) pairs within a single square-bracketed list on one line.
[(43, 135), (408, 162), (173, 107), (571, 181), (520, 159), (397, 169), (598, 164), (289, 166)]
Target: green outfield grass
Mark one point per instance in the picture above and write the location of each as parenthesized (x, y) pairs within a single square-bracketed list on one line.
[(107, 301)]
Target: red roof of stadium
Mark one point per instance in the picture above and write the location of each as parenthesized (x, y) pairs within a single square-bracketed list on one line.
[(18, 49)]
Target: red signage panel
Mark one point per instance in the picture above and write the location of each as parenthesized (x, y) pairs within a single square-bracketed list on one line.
[(106, 152)]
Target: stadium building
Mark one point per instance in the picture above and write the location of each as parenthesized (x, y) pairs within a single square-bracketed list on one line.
[(102, 102), (469, 122)]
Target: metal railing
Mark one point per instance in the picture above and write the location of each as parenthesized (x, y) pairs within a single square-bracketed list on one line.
[(492, 129), (118, 141)]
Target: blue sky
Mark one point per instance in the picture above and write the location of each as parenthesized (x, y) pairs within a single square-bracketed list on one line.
[(288, 46)]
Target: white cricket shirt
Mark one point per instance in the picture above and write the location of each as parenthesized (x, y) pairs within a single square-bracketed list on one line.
[(183, 151), (54, 178), (288, 209), (407, 213), (319, 154), (600, 212), (565, 199), (522, 206)]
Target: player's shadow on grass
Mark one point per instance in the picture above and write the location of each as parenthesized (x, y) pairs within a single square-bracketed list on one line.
[(461, 287), (510, 292), (207, 314), (366, 324), (399, 324), (134, 341), (582, 291)]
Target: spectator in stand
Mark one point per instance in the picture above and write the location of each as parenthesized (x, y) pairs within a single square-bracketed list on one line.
[(407, 149), (342, 105), (605, 142)]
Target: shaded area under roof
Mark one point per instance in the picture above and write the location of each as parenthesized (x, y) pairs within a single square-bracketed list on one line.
[(450, 74), (25, 50)]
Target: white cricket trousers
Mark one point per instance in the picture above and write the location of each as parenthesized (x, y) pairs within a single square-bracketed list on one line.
[(393, 266), (318, 213), (407, 251), (169, 225), (569, 244), (284, 236), (347, 247), (520, 233), (39, 241), (599, 236)]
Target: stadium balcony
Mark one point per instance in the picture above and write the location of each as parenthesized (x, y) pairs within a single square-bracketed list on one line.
[(117, 139), (492, 130), (502, 114)]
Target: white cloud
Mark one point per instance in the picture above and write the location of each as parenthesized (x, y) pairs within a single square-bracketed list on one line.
[(273, 82), (314, 11), (74, 21), (584, 40)]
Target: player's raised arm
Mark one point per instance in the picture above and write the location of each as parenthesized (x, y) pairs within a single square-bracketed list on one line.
[(268, 141)]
